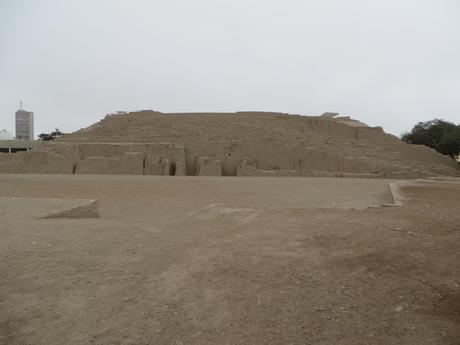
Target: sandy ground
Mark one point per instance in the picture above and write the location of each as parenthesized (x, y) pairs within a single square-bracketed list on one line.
[(186, 260)]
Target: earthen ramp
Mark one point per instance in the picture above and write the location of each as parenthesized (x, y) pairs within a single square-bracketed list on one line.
[(231, 144), (48, 208)]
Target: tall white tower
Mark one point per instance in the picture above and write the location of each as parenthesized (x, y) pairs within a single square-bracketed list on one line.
[(24, 124)]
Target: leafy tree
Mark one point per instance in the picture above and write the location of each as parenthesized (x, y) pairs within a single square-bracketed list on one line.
[(51, 136), (441, 135)]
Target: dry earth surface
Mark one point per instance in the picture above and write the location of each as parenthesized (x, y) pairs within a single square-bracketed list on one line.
[(202, 260)]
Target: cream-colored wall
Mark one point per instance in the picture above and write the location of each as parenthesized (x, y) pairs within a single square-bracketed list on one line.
[(249, 143)]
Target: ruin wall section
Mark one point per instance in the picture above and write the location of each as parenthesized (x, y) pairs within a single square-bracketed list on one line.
[(244, 144)]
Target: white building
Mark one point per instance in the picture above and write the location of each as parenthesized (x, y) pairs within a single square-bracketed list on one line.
[(5, 135), (24, 125)]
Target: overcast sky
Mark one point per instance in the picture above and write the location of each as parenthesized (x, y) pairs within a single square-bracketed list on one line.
[(388, 63)]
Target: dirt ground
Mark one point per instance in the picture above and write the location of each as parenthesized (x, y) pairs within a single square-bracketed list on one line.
[(190, 260)]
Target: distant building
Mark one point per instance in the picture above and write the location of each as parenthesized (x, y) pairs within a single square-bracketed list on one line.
[(9, 145), (5, 135), (24, 125)]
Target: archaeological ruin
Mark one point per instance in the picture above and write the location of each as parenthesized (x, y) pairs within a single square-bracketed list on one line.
[(231, 144)]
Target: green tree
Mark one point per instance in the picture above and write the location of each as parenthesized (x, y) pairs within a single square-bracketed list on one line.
[(441, 135)]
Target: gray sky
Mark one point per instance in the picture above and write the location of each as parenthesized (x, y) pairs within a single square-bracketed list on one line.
[(385, 62)]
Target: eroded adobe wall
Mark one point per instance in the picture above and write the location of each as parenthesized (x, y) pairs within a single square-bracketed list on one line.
[(246, 158), (35, 162), (12, 163), (245, 143), (209, 167), (125, 164)]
